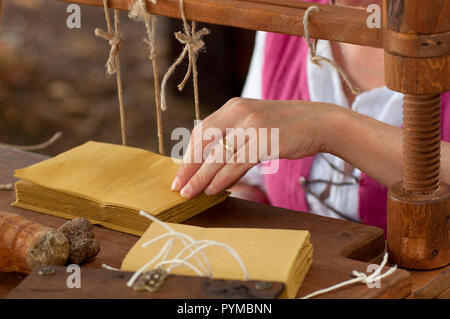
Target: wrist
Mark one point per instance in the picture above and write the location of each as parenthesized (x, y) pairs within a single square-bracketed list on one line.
[(338, 123)]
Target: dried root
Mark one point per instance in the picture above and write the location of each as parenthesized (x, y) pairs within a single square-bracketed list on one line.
[(83, 245)]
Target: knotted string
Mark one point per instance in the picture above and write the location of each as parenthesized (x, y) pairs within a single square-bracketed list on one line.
[(316, 59), (191, 246), (193, 42), (138, 13), (360, 278), (114, 38)]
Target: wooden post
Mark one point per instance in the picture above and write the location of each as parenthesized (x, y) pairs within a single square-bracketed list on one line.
[(417, 59)]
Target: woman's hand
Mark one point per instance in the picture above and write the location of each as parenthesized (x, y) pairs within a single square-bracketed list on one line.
[(303, 131)]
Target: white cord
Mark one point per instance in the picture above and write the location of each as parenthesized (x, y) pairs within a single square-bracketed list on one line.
[(360, 278), (208, 243), (180, 261), (167, 246), (190, 245), (105, 266), (183, 239)]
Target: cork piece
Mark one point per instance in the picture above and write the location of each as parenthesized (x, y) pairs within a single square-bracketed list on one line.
[(83, 245)]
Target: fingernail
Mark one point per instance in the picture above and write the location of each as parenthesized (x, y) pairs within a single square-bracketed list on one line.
[(209, 190), (186, 191), (175, 184)]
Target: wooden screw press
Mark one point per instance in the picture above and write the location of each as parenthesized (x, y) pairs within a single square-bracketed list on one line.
[(417, 44)]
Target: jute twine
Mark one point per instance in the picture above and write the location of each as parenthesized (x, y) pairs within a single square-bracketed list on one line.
[(316, 59), (114, 38), (193, 42), (29, 148), (138, 13)]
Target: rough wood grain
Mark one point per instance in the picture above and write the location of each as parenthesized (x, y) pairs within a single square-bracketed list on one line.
[(418, 16), (417, 36), (418, 228), (332, 23), (430, 284), (104, 284), (418, 207), (333, 240)]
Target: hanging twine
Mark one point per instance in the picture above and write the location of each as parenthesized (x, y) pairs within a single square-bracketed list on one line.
[(138, 13), (360, 278), (193, 44), (114, 38), (316, 59)]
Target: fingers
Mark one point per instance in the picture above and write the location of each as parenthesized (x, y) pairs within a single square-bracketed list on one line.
[(203, 176), (203, 136), (232, 171), (222, 154)]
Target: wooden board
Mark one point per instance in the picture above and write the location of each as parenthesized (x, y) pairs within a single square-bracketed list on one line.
[(339, 246), (106, 284), (342, 24)]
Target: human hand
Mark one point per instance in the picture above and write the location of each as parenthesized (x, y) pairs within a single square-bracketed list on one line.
[(302, 131)]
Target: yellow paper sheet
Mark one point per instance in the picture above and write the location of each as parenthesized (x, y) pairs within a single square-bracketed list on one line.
[(94, 170), (269, 254), (108, 184)]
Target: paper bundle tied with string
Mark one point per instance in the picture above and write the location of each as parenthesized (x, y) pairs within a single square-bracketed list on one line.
[(109, 184), (266, 254)]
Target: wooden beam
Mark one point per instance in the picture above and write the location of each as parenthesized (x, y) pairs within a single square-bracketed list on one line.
[(341, 24)]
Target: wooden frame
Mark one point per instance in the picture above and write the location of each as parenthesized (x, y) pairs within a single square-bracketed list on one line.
[(334, 23)]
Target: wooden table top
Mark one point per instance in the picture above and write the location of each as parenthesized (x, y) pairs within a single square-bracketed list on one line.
[(339, 246)]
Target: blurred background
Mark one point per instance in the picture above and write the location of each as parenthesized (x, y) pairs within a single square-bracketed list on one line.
[(53, 78)]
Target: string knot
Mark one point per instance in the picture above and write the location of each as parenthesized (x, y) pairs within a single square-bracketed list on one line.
[(193, 41), (360, 277), (138, 13), (114, 39), (317, 59)]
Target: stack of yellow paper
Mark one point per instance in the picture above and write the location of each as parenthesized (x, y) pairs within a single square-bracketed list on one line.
[(268, 254), (108, 184)]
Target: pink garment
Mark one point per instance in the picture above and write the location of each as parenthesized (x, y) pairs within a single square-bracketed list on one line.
[(284, 78)]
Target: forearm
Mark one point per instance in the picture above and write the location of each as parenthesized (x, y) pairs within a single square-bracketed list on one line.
[(370, 145), (373, 147)]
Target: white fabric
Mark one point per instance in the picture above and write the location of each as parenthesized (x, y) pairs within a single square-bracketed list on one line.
[(253, 90), (325, 85), (253, 83)]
